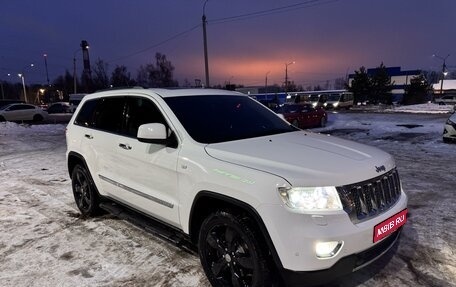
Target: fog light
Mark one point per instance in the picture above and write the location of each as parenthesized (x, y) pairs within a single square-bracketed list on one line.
[(328, 249)]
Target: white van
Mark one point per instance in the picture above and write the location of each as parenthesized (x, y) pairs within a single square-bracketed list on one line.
[(343, 100), (74, 100)]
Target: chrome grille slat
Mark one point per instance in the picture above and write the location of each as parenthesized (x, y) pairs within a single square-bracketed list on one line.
[(370, 198)]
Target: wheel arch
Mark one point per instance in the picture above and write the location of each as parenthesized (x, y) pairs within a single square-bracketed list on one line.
[(207, 202), (75, 158)]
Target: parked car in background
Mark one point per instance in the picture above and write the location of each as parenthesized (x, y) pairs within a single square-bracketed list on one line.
[(22, 112), (304, 115), (449, 130), (58, 108), (446, 100), (8, 102), (75, 99)]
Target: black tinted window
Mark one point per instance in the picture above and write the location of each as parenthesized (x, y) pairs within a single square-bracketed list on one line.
[(108, 114), (212, 119), (85, 116), (21, 107), (140, 111), (103, 114)]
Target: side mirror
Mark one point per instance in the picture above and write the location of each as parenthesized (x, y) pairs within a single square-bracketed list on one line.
[(156, 133), (152, 133)]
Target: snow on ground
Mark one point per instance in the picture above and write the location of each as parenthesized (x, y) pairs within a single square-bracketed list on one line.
[(428, 108), (44, 242)]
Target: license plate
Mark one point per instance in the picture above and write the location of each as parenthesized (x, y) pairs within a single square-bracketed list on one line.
[(390, 225)]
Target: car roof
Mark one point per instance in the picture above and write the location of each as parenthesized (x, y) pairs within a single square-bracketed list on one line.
[(166, 93)]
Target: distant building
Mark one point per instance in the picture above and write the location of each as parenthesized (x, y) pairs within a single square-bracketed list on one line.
[(399, 79), (448, 88), (259, 90)]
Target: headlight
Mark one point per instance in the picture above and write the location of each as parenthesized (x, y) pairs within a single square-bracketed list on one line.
[(335, 104), (311, 198)]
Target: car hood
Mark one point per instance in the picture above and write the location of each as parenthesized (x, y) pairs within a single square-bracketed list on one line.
[(305, 158)]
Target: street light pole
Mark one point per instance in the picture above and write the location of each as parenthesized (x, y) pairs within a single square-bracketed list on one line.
[(74, 71), (46, 65), (266, 82), (22, 76), (206, 61), (1, 81), (286, 75), (443, 70)]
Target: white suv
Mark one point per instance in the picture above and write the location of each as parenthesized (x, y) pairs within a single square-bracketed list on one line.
[(261, 200)]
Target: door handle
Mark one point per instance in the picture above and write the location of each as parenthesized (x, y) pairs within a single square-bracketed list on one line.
[(125, 146), (89, 136)]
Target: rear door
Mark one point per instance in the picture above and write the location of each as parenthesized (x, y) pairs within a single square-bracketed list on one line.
[(98, 125)]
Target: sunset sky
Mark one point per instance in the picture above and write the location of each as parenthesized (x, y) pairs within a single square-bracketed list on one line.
[(326, 39)]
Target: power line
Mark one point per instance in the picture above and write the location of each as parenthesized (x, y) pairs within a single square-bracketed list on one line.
[(156, 45), (283, 9)]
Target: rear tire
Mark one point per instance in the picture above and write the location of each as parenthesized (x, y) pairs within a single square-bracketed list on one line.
[(2, 119), (37, 118), (85, 192), (295, 123), (230, 252)]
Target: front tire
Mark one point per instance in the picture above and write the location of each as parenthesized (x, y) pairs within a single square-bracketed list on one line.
[(230, 253), (84, 191)]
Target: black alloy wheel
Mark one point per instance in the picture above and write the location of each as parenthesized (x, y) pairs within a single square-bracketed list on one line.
[(84, 191), (230, 253)]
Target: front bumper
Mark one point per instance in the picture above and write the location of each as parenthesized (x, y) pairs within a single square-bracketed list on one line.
[(344, 266), (449, 132), (295, 236)]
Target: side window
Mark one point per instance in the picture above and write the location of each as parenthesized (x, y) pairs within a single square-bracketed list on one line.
[(108, 114), (15, 108), (103, 114), (140, 111), (85, 116)]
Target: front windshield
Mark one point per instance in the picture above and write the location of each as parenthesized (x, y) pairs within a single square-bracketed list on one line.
[(333, 98), (220, 118), (314, 98)]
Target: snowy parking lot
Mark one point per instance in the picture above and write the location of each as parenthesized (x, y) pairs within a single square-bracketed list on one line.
[(44, 241)]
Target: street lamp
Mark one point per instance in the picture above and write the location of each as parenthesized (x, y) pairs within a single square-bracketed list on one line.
[(286, 74), (266, 82), (206, 61), (22, 76), (444, 72)]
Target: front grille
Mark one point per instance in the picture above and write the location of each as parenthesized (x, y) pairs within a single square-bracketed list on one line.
[(370, 198)]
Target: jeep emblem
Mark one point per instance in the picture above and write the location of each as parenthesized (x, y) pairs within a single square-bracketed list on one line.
[(380, 168)]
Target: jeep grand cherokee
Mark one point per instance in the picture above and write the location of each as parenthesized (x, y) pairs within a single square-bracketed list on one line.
[(260, 199)]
